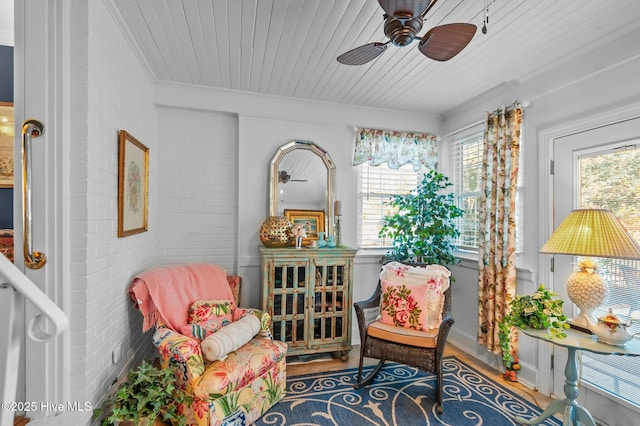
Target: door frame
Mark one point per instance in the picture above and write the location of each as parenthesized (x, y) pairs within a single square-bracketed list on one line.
[(41, 68), (546, 139)]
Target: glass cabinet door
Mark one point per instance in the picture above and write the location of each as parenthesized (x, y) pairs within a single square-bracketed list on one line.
[(330, 301), (289, 295)]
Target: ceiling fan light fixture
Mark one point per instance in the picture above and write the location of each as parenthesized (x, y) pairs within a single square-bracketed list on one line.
[(405, 7)]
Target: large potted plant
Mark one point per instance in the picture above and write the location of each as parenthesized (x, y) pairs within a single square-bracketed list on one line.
[(541, 310), (148, 397), (424, 228)]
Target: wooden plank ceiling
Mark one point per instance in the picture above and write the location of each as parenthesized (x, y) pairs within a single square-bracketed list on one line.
[(288, 47)]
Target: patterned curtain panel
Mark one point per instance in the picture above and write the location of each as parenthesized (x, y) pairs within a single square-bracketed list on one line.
[(396, 149), (497, 245)]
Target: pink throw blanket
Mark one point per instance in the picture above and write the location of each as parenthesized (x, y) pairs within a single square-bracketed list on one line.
[(167, 292)]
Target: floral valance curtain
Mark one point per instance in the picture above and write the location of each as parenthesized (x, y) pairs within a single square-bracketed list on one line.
[(396, 149), (497, 245)]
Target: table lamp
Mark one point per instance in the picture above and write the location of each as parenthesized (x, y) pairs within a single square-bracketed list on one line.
[(590, 232)]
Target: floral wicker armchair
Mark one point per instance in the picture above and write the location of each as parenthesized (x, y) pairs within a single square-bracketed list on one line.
[(236, 388), (395, 326)]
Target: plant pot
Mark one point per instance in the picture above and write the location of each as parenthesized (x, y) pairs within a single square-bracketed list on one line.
[(534, 323)]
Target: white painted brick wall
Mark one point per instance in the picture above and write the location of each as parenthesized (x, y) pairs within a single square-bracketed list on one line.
[(198, 197), (117, 95)]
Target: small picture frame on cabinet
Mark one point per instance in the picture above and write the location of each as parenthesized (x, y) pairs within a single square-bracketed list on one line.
[(311, 220)]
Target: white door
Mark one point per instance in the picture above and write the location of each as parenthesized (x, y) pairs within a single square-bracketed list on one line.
[(39, 67), (600, 168)]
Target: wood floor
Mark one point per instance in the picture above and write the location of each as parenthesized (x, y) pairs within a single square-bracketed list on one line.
[(336, 364), (20, 421)]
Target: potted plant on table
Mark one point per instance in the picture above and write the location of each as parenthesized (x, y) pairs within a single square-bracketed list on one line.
[(541, 310), (148, 396), (425, 227)]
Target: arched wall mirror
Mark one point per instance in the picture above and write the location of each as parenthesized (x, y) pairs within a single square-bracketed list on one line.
[(302, 177)]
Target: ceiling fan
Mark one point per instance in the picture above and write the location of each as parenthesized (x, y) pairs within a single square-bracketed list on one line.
[(284, 177), (403, 22)]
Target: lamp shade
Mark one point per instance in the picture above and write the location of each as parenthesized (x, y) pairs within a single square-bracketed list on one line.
[(592, 232)]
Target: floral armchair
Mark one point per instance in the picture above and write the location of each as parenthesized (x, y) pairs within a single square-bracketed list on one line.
[(239, 386)]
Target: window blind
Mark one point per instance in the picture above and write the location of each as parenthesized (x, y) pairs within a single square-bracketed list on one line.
[(376, 185), (466, 158)]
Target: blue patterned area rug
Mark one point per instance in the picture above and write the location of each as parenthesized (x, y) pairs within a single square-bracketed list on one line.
[(399, 396)]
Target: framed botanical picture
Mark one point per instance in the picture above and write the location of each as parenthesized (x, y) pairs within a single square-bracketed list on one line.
[(6, 144), (312, 220), (133, 185)]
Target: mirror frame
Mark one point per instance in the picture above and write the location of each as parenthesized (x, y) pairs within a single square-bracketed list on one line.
[(331, 176)]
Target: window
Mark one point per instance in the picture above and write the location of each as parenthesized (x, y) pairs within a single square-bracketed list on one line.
[(466, 176), (376, 185), (466, 159)]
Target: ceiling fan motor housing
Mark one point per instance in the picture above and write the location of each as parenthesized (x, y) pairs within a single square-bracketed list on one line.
[(402, 29)]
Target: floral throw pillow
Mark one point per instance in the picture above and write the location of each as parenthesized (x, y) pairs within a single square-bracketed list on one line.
[(208, 316), (436, 278), (404, 305)]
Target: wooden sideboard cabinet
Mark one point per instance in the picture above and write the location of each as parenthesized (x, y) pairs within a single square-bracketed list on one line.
[(308, 294)]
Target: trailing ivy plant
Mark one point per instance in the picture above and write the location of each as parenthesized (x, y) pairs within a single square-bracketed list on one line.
[(540, 310), (424, 228), (148, 393)]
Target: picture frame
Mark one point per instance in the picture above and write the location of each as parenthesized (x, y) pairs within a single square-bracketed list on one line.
[(313, 220), (133, 185), (7, 132)]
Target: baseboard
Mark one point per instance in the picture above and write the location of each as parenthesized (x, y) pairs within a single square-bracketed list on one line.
[(64, 419), (527, 375)]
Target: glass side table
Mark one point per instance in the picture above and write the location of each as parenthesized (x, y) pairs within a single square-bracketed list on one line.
[(574, 413)]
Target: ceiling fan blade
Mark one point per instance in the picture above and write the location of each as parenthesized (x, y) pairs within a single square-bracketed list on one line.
[(446, 41), (363, 54), (405, 7)]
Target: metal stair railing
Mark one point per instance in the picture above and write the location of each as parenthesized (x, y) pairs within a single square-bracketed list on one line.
[(15, 288)]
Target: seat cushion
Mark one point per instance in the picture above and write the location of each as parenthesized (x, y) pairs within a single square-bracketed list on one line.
[(405, 336), (239, 368)]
